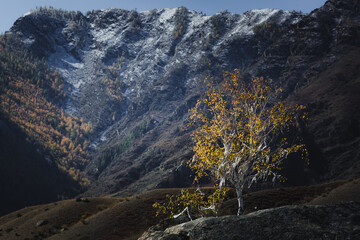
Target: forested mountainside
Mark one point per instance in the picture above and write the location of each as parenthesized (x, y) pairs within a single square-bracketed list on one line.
[(130, 77), (39, 143)]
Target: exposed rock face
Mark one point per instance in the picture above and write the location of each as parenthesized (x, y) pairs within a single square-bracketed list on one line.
[(159, 68), (290, 222), (134, 75), (156, 62)]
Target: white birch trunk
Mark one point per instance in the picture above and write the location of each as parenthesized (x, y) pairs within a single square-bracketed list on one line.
[(240, 199)]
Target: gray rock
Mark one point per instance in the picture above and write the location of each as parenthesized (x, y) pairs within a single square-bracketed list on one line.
[(41, 223), (83, 199), (340, 221)]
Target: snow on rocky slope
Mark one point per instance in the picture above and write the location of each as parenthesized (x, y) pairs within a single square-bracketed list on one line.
[(155, 60), (83, 47), (134, 75)]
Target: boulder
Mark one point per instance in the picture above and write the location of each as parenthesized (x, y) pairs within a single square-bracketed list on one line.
[(82, 199), (41, 223), (341, 221)]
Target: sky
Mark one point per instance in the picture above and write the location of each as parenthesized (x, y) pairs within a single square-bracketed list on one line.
[(13, 9)]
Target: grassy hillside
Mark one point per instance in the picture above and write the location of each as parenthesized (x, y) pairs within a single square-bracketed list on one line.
[(128, 218)]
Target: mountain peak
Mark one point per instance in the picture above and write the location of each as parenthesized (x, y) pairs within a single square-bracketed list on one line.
[(134, 75)]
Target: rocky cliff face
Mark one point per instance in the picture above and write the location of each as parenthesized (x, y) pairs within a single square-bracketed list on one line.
[(134, 75)]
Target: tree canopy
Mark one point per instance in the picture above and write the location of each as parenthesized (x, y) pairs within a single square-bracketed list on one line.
[(241, 131)]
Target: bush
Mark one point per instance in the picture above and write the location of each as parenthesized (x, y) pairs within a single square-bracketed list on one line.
[(134, 19), (218, 24), (180, 21), (195, 203), (267, 30)]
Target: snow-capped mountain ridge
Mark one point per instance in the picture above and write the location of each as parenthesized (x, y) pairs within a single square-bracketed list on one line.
[(134, 75), (110, 34), (158, 59)]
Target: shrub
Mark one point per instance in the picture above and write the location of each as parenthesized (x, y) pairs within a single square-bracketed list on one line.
[(180, 21), (218, 24), (267, 30), (195, 203)]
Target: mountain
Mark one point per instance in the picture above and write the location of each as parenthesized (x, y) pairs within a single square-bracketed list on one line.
[(133, 76)]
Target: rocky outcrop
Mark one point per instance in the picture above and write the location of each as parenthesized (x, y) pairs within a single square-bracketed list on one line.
[(289, 222)]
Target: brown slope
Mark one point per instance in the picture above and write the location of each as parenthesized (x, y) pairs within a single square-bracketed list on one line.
[(347, 192), (57, 216), (334, 127), (128, 218), (99, 218)]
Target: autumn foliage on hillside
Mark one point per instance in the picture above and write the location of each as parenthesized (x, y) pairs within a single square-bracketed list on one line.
[(29, 93), (112, 82)]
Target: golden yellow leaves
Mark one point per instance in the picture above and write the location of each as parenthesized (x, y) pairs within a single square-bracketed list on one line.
[(198, 202), (242, 121)]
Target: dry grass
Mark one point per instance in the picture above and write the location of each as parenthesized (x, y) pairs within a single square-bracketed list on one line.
[(128, 218)]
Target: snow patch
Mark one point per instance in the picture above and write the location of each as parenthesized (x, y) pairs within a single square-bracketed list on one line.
[(103, 137), (28, 42), (74, 64), (254, 17), (27, 14), (196, 21), (104, 35), (167, 14)]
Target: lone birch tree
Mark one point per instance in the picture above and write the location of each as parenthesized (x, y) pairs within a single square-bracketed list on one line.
[(240, 135)]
